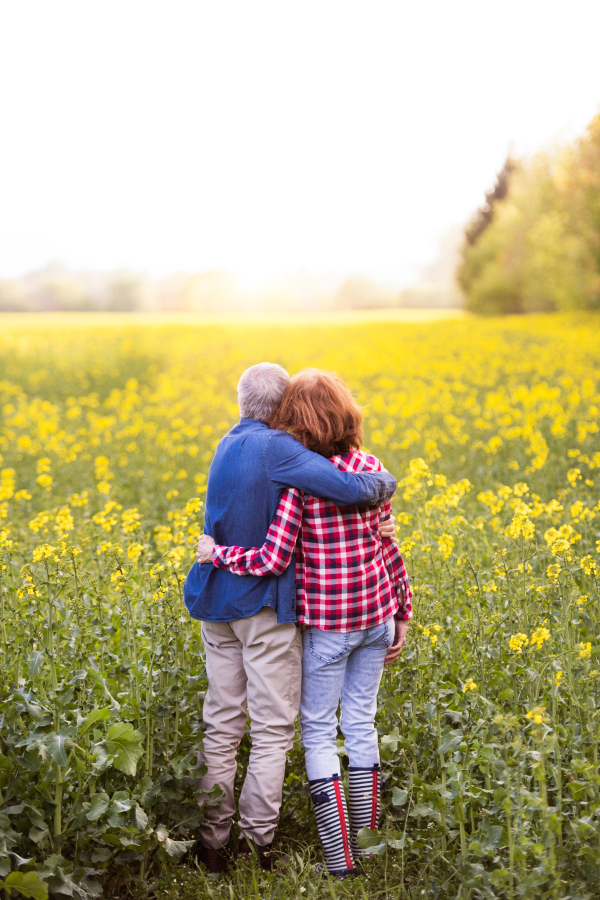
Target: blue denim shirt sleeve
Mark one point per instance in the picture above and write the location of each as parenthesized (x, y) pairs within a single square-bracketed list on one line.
[(290, 464)]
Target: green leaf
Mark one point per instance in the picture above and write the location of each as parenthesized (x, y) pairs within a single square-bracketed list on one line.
[(29, 760), (19, 861), (102, 854), (390, 741), (140, 819), (579, 789), (97, 678), (450, 743), (176, 849), (14, 810), (35, 663), (399, 797), (146, 791), (421, 809), (55, 745), (96, 715), (368, 839), (36, 712), (98, 807), (499, 878), (100, 757), (125, 745), (493, 837), (28, 884)]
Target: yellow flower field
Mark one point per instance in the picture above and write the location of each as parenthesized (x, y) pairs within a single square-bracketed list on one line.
[(489, 724)]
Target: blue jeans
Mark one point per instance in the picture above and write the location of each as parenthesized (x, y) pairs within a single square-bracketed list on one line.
[(348, 666)]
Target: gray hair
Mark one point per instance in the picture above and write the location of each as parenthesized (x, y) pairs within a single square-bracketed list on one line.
[(261, 389)]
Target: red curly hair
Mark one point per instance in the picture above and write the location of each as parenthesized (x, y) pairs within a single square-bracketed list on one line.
[(319, 410)]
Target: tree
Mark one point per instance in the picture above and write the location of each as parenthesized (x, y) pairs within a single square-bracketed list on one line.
[(535, 245), (484, 216)]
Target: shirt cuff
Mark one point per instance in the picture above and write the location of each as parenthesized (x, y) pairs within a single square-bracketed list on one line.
[(217, 556), (403, 615)]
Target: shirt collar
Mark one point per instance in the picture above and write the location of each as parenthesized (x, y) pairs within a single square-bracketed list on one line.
[(252, 423)]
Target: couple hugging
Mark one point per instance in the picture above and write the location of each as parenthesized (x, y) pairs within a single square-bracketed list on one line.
[(303, 597)]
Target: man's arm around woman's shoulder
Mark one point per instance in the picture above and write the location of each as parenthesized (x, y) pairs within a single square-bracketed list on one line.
[(290, 464)]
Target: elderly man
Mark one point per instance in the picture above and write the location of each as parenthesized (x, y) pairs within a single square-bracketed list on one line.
[(253, 646)]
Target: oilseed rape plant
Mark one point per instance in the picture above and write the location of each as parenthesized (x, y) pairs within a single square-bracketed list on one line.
[(489, 723)]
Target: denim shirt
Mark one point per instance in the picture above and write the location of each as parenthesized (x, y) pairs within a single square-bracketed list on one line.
[(251, 467)]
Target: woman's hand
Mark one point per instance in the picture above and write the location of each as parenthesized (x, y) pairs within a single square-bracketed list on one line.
[(387, 529), (205, 549), (399, 638)]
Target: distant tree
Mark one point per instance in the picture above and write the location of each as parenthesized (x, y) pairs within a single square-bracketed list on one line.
[(484, 216), (13, 298), (535, 245), (124, 294), (588, 196), (360, 292)]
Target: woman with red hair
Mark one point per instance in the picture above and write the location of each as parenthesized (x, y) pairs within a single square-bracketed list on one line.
[(353, 602)]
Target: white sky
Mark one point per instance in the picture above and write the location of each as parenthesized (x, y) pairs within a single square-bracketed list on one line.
[(268, 136)]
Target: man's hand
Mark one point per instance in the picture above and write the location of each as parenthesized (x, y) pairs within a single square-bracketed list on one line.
[(387, 529), (205, 549), (399, 638)]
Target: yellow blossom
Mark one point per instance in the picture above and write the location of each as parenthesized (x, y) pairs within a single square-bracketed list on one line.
[(552, 573), (469, 685), (78, 499), (539, 636), (588, 565), (40, 522), (521, 525), (130, 520), (518, 642), (585, 649), (445, 545), (134, 552), (63, 521), (537, 714), (406, 547), (45, 551)]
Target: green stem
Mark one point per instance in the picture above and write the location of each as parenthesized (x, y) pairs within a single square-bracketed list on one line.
[(149, 721), (511, 846), (51, 633), (58, 796)]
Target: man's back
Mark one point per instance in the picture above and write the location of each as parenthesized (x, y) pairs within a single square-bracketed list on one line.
[(241, 500)]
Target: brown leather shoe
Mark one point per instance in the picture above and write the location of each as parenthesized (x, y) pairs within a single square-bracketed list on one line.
[(265, 854), (216, 861)]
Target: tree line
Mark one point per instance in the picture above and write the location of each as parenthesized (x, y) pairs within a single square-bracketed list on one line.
[(534, 245)]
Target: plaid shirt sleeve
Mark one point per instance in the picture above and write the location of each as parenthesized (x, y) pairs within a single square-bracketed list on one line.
[(397, 571), (275, 555)]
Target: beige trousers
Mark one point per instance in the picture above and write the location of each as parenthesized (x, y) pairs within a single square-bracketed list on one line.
[(253, 667)]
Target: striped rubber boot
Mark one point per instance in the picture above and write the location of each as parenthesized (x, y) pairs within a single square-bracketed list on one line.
[(364, 790), (329, 802)]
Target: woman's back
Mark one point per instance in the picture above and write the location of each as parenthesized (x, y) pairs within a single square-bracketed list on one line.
[(343, 580)]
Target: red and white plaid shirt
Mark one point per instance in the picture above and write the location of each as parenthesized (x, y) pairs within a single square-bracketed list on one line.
[(348, 577)]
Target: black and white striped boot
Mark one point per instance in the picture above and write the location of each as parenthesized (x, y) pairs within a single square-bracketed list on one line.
[(364, 791), (329, 801)]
